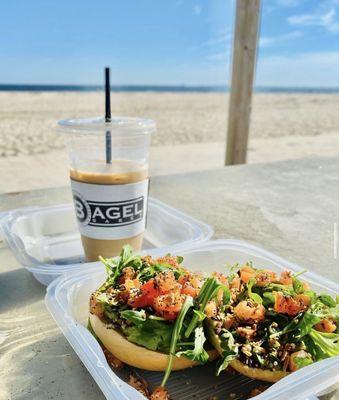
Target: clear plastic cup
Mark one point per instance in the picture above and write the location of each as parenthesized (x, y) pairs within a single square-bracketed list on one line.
[(110, 198)]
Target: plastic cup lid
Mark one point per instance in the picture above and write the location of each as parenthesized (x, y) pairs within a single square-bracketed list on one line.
[(124, 126)]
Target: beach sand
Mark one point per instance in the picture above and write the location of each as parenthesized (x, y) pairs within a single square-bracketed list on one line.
[(191, 130)]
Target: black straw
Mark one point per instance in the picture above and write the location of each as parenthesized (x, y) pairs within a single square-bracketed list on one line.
[(108, 116)]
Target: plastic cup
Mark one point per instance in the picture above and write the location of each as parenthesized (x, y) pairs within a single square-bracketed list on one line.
[(110, 199)]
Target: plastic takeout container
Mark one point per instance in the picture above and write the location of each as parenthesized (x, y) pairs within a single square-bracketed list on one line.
[(46, 240), (67, 300)]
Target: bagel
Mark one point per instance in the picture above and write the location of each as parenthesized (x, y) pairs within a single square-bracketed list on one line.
[(135, 355), (253, 373)]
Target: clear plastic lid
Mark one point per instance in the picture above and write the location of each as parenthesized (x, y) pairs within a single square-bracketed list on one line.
[(47, 242), (118, 126)]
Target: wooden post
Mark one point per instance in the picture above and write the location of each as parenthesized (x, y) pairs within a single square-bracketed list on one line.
[(244, 59)]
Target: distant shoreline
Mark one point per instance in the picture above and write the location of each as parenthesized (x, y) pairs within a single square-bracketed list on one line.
[(157, 88)]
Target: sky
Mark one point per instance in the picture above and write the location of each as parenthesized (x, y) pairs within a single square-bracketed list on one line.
[(164, 42)]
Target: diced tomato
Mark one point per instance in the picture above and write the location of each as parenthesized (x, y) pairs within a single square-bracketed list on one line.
[(247, 311), (191, 284), (290, 305), (265, 277), (149, 289), (235, 283), (228, 321), (171, 260), (211, 309), (246, 332), (189, 290), (168, 305), (221, 278), (148, 292), (246, 273), (326, 325), (166, 282), (262, 277), (127, 273), (131, 284), (286, 278)]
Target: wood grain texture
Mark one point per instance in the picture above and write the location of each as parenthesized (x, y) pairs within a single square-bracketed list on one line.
[(244, 60)]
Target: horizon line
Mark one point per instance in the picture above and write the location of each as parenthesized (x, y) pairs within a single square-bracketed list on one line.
[(155, 87)]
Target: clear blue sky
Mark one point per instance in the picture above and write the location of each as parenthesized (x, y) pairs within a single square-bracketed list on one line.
[(164, 42)]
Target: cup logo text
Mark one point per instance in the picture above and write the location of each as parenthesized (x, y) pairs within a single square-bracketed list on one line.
[(108, 214)]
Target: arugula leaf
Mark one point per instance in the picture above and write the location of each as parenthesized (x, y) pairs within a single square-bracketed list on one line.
[(229, 353), (114, 266), (254, 296), (128, 258), (327, 300), (208, 291), (110, 313), (306, 324), (303, 323), (297, 285), (146, 272), (334, 313), (111, 265), (312, 295), (150, 333), (188, 303), (180, 259), (281, 288), (165, 267), (156, 317), (324, 344), (232, 268), (200, 315), (137, 317), (198, 354), (301, 362), (126, 252), (268, 298)]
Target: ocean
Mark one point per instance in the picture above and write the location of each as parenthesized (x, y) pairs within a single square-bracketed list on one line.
[(157, 88)]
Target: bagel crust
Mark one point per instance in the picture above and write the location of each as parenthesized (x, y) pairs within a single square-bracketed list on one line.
[(137, 356), (253, 373), (258, 373)]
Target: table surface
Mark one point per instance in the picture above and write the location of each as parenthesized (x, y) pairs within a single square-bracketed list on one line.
[(290, 208)]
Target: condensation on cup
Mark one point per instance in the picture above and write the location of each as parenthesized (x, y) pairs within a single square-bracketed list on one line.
[(110, 199)]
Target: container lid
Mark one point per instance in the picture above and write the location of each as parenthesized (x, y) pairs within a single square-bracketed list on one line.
[(46, 240), (119, 126)]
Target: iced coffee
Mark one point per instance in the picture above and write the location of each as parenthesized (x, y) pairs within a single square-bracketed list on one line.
[(110, 199)]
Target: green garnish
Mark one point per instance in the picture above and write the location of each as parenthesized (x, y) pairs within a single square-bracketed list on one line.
[(208, 291), (301, 362), (176, 335), (229, 350), (324, 345), (297, 285), (254, 296), (198, 353)]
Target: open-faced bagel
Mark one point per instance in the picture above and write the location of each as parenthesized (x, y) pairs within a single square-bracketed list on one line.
[(253, 373), (137, 356)]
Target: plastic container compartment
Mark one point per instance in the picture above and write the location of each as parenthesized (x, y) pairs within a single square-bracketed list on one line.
[(46, 240), (67, 300)]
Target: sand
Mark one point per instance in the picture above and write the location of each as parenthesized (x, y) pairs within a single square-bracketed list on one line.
[(190, 136)]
